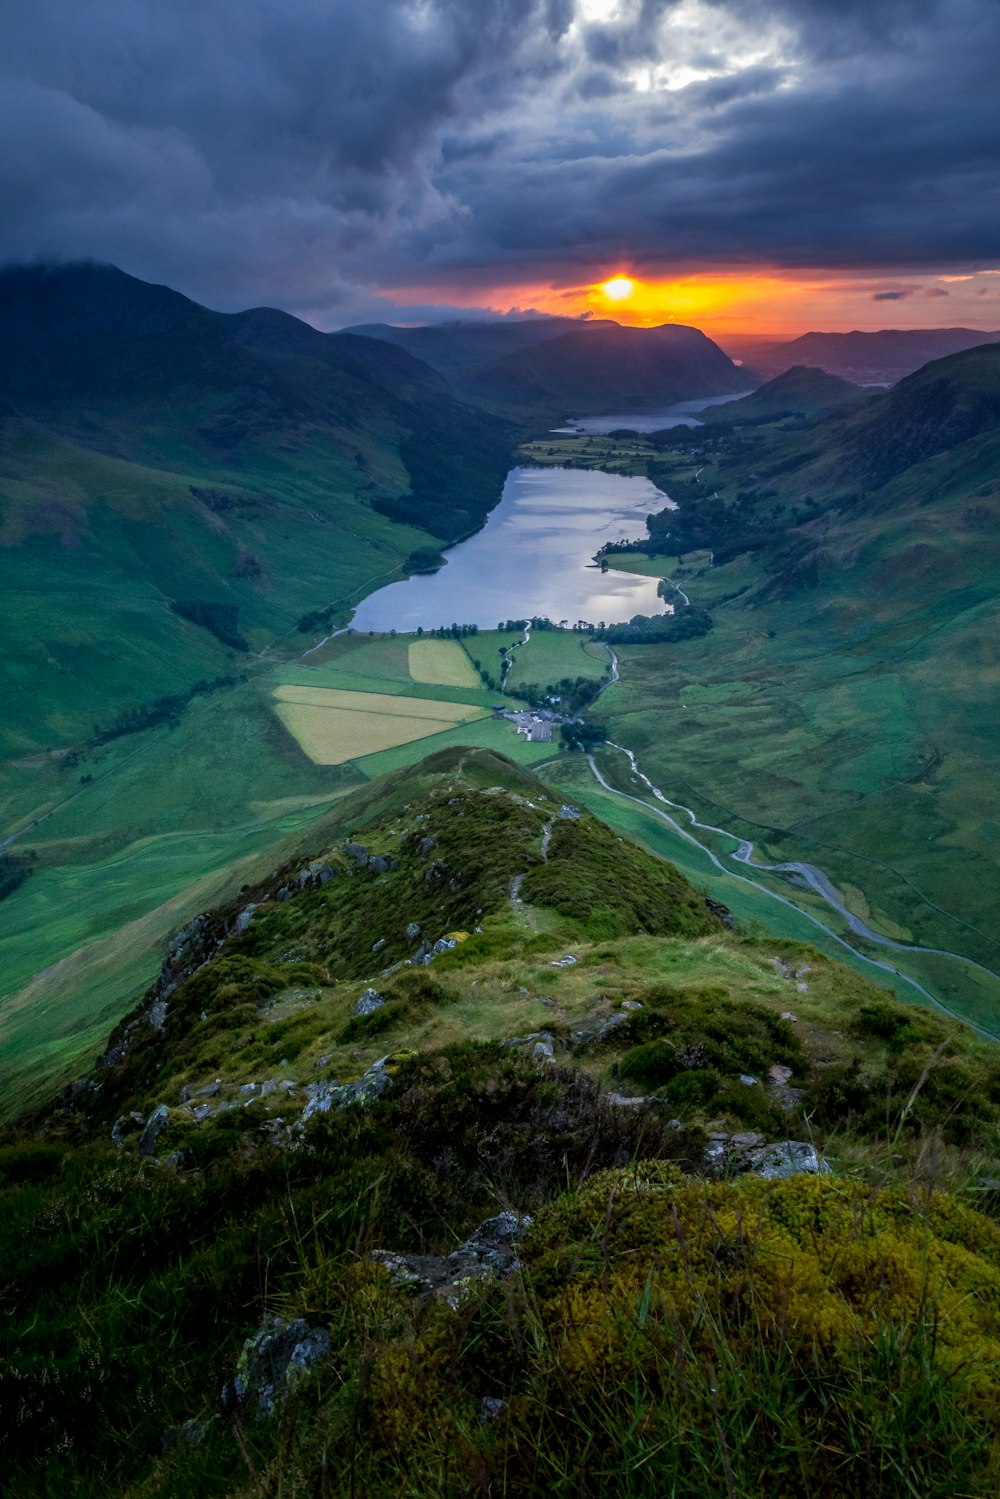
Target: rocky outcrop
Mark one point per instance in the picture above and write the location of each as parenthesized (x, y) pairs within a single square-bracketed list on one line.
[(372, 1085), (274, 1362), (488, 1254)]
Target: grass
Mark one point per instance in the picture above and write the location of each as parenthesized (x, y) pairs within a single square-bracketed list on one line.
[(372, 704), (662, 1334), (484, 733), (847, 722), (442, 662), (614, 455), (553, 655)]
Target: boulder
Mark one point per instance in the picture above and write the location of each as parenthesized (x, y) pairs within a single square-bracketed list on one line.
[(368, 1003), (274, 1362), (489, 1253), (157, 1122)]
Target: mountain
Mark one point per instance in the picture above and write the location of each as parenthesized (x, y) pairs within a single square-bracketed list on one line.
[(457, 346), (410, 1195), (809, 394), (879, 358), (168, 453), (552, 367), (941, 406), (608, 368)]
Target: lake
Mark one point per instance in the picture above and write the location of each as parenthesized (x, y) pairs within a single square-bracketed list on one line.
[(680, 414), (533, 557)]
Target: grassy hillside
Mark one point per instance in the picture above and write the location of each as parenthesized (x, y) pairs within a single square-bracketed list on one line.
[(183, 496), (605, 1197)]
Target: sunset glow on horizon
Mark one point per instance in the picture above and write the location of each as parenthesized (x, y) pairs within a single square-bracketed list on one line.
[(738, 302)]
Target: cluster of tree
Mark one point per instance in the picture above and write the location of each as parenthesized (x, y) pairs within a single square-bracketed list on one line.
[(710, 524), (581, 736), (167, 709), (316, 619), (14, 870), (486, 677), (423, 560), (453, 485), (448, 632), (569, 695), (646, 629), (221, 620)]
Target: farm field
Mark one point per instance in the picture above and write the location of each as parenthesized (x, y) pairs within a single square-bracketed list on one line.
[(333, 726), (551, 656), (485, 733), (441, 662), (626, 455)]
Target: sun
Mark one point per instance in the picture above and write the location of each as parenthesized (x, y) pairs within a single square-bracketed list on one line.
[(619, 288)]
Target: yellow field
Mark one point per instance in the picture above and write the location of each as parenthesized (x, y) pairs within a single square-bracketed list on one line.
[(333, 725), (442, 662), (377, 702)]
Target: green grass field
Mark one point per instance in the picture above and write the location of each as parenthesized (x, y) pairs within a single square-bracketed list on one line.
[(850, 724), (563, 450), (552, 655), (442, 662)]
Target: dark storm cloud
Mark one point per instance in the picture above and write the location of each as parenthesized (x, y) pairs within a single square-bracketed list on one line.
[(308, 152), (890, 296)]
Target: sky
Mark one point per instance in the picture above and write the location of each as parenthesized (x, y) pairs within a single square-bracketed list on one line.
[(763, 166)]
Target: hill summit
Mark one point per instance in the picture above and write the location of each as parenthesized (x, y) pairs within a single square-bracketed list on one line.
[(480, 1141)]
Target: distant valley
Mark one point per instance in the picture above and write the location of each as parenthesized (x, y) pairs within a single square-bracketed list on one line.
[(193, 502)]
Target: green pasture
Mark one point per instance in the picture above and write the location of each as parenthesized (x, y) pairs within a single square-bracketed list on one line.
[(486, 733), (356, 663), (628, 455), (638, 562), (552, 655)]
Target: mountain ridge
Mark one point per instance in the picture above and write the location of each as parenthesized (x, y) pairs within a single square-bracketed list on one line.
[(320, 1192)]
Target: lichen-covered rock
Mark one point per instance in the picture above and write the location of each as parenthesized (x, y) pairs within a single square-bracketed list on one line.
[(786, 1158), (274, 1362), (369, 1002), (325, 1096), (747, 1154), (489, 1253)]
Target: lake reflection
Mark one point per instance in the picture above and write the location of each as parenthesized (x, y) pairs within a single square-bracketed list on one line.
[(533, 557)]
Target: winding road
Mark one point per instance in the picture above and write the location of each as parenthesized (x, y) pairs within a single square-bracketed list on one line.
[(813, 877)]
